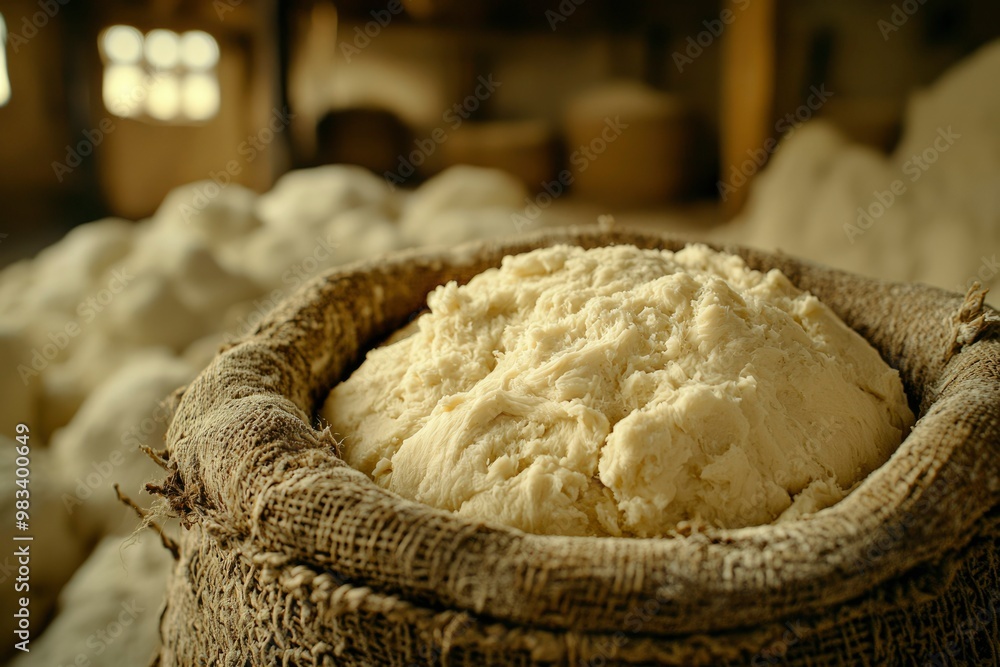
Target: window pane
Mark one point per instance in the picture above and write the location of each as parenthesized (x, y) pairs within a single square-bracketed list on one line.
[(201, 96), (122, 45), (123, 89), (199, 50), (164, 101), (162, 48), (4, 80), (162, 74)]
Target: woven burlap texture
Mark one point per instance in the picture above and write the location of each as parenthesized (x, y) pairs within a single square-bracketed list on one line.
[(291, 557)]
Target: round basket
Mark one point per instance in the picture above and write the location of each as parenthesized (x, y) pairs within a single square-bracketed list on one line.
[(291, 557)]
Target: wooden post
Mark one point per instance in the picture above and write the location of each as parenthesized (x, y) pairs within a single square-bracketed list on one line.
[(748, 83)]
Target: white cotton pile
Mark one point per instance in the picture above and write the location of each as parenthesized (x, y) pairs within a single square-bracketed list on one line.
[(101, 445), (209, 259), (181, 281), (56, 550), (362, 233), (20, 398), (151, 312), (956, 203), (930, 212), (15, 280), (460, 204), (219, 221), (319, 218), (109, 613), (85, 256), (305, 200)]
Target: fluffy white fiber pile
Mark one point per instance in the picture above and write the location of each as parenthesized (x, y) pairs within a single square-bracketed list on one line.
[(929, 212), (101, 326)]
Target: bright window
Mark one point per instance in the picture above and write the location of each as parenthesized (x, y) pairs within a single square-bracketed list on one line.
[(162, 75), (4, 79)]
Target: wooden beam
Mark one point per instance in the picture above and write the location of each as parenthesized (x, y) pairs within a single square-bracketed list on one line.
[(748, 85)]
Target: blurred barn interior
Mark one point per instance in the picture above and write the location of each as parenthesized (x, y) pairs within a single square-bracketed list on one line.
[(111, 105)]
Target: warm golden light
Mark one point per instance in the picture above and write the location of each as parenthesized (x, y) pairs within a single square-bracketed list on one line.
[(199, 50), (4, 80), (123, 90), (161, 75), (122, 45), (164, 101), (200, 96), (162, 48)]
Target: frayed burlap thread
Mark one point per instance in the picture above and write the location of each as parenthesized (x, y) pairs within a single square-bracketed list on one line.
[(291, 557)]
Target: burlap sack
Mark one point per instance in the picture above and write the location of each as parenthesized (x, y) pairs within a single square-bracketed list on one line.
[(293, 558)]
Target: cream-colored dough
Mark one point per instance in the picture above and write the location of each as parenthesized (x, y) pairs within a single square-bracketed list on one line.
[(620, 391)]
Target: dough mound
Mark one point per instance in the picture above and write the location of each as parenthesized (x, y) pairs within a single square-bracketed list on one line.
[(619, 391)]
